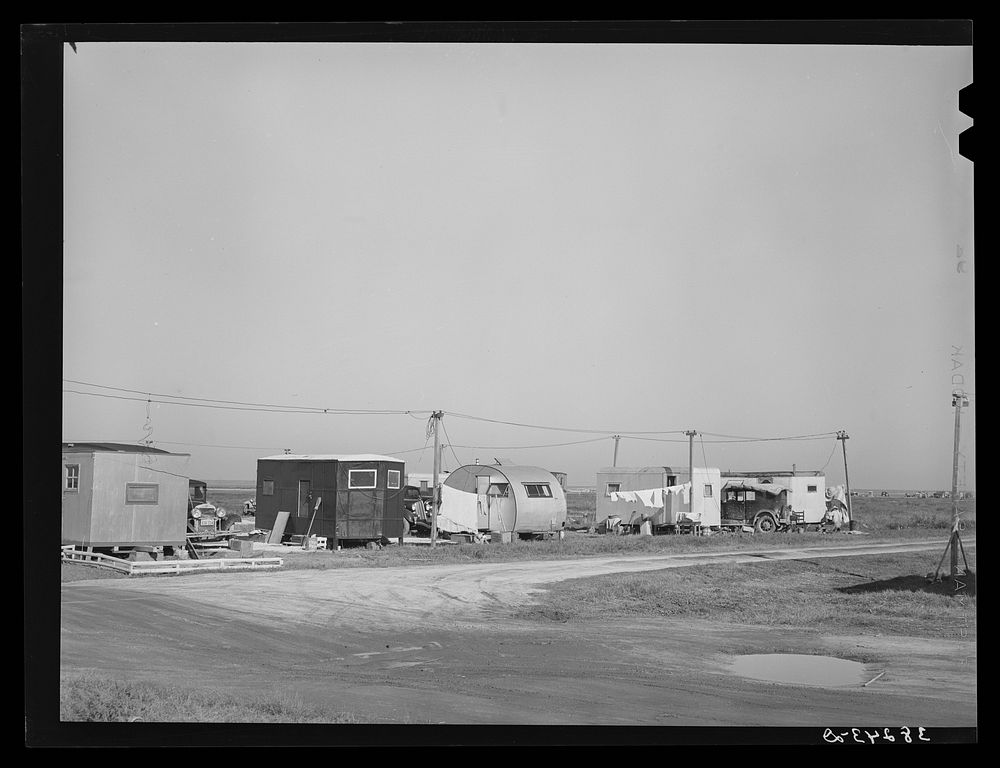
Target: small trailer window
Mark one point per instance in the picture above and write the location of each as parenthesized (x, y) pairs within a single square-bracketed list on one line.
[(498, 489), (708, 490), (538, 490), (361, 478), (613, 488), (393, 478), (268, 489), (142, 493), (72, 477), (751, 495), (811, 489)]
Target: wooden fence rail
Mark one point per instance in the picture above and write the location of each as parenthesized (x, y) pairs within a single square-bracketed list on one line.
[(131, 568)]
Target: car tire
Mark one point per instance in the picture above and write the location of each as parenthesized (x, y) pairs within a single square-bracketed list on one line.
[(765, 523)]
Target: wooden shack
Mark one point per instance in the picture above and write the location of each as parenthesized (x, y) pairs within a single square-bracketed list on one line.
[(121, 495), (343, 498)]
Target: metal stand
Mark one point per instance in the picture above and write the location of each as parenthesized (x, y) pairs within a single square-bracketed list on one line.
[(958, 399), (954, 546)]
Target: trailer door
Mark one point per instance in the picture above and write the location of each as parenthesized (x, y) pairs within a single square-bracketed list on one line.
[(305, 497), (483, 502)]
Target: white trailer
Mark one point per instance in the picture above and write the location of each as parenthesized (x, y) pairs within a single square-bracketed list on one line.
[(773, 500), (663, 496)]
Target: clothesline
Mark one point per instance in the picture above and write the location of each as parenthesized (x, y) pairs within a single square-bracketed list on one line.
[(654, 497)]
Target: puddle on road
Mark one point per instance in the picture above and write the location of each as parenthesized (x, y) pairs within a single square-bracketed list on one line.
[(799, 669)]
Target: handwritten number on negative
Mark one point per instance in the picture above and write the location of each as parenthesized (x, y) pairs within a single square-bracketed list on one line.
[(832, 737)]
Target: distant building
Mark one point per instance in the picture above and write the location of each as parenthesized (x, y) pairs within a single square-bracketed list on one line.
[(424, 480)]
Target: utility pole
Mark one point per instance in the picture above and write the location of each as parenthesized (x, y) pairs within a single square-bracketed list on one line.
[(614, 462), (957, 400), (843, 437), (691, 433), (436, 497)]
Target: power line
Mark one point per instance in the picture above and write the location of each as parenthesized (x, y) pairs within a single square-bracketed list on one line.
[(408, 450), (607, 432), (741, 438), (234, 447), (459, 463), (830, 457), (307, 410), (770, 440), (653, 439), (525, 447), (726, 442), (191, 405), (149, 396), (236, 405)]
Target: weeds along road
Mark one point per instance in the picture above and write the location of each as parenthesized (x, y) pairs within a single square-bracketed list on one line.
[(440, 644)]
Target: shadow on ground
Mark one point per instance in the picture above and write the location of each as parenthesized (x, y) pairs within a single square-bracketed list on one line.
[(962, 585)]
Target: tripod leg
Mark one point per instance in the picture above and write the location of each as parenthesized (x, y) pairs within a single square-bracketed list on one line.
[(937, 571), (961, 548)]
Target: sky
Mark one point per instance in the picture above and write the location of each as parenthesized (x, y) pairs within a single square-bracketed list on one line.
[(747, 241)]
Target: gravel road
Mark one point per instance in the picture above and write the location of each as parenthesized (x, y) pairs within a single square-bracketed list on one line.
[(438, 644)]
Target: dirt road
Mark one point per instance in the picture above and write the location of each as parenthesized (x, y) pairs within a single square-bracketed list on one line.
[(438, 644)]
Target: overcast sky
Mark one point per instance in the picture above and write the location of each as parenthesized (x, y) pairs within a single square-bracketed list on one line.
[(743, 240)]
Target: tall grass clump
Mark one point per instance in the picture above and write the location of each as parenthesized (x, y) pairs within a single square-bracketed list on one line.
[(90, 698)]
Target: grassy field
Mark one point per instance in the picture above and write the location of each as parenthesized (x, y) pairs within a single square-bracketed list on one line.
[(575, 544), (888, 594), (231, 499), (93, 699)]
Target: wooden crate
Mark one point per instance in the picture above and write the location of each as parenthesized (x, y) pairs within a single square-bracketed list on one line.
[(243, 546)]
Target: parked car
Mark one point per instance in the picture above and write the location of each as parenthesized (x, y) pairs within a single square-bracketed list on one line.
[(757, 505), (416, 510), (202, 516)]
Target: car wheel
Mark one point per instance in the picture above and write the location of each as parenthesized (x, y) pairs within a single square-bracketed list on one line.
[(765, 523)]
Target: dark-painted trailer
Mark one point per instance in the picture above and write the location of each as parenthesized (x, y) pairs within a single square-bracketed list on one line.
[(344, 498)]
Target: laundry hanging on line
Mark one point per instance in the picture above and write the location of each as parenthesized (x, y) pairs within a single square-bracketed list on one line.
[(654, 498)]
